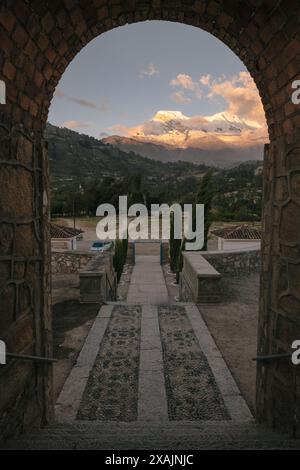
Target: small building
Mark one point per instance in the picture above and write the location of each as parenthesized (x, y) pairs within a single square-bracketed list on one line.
[(241, 237), (64, 238)]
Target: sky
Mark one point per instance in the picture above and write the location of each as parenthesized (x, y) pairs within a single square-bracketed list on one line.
[(121, 79)]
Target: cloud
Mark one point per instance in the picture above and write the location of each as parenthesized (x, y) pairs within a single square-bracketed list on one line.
[(119, 129), (149, 71), (205, 80), (179, 97), (242, 97), (76, 124), (185, 83), (81, 102)]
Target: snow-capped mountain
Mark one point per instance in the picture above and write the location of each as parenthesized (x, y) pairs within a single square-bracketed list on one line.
[(219, 139)]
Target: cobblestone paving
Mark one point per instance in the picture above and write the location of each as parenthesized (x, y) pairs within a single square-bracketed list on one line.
[(192, 392), (112, 388)]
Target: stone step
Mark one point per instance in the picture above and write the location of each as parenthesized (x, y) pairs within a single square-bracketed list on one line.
[(149, 435)]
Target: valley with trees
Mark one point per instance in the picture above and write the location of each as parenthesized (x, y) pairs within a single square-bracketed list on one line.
[(86, 172)]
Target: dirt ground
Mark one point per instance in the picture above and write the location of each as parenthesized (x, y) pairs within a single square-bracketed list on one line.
[(233, 324), (71, 324)]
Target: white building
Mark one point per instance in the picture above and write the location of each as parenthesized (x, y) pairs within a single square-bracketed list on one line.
[(64, 238), (242, 237)]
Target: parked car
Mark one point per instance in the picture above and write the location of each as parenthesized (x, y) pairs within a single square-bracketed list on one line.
[(101, 246)]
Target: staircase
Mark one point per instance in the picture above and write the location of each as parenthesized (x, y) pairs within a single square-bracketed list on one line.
[(149, 435)]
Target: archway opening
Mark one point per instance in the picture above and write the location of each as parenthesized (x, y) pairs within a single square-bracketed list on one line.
[(131, 118)]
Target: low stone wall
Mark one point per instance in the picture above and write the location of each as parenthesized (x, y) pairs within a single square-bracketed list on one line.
[(199, 280), (69, 262), (234, 263), (98, 280), (198, 284)]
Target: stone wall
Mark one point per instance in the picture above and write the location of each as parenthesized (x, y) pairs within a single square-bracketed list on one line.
[(199, 280), (98, 281), (234, 263), (69, 262), (25, 311)]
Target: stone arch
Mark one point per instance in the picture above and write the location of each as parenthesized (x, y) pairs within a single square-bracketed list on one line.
[(38, 41)]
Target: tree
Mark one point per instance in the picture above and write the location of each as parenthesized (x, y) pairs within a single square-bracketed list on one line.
[(205, 196), (174, 247), (120, 256)]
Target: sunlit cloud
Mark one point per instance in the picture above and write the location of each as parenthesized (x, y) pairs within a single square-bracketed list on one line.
[(149, 71), (76, 124), (179, 97), (205, 80), (81, 102), (242, 96), (184, 83)]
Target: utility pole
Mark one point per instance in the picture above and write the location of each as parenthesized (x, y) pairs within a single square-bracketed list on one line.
[(74, 216)]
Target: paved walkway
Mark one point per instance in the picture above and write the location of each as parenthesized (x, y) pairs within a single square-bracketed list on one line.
[(147, 285), (162, 360)]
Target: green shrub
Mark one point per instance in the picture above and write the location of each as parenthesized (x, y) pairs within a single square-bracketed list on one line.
[(120, 255)]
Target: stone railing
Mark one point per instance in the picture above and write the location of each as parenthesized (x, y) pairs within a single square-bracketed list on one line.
[(69, 262), (234, 263), (98, 280), (199, 280)]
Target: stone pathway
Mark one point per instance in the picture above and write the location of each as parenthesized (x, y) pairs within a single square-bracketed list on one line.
[(192, 390), (150, 360), (147, 285), (152, 398), (111, 392), (151, 376)]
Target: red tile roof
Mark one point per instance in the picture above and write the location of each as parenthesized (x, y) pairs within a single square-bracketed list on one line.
[(238, 232), (59, 231)]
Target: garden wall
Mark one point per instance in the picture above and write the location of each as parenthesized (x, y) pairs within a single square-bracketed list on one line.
[(234, 263), (69, 262)]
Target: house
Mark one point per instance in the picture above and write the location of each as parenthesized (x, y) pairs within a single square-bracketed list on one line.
[(241, 237), (64, 238)]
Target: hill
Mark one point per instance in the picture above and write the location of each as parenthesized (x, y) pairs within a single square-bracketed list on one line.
[(73, 155)]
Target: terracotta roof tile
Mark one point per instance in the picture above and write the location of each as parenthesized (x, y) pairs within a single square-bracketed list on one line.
[(238, 232), (59, 231)]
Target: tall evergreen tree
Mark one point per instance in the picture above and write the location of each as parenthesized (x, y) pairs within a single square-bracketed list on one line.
[(205, 196)]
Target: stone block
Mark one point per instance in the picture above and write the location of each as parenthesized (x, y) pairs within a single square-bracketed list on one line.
[(17, 190)]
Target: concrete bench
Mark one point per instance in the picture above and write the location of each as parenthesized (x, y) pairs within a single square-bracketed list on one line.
[(199, 280), (98, 281)]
